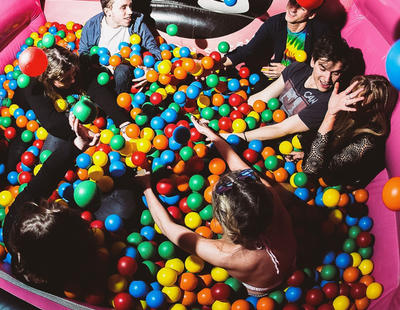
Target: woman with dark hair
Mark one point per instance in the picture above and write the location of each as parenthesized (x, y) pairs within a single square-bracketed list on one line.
[(258, 245), (349, 146)]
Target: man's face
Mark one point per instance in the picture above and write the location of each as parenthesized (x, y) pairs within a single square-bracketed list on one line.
[(296, 13), (325, 73), (120, 13)]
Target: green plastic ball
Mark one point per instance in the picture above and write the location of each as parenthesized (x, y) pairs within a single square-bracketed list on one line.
[(174, 106), (22, 187), (40, 44), (27, 136), (141, 119), (2, 213), (273, 104), (134, 238), (151, 267), (146, 219), (195, 201), (300, 179), (48, 40), (16, 74), (224, 110), (84, 110), (103, 78), (93, 50), (212, 80), (23, 80), (6, 102), (206, 213), (29, 41), (271, 162), (186, 153), (84, 193), (223, 47), (278, 296), (214, 124), (166, 250), (251, 122), (70, 99), (44, 155), (114, 129), (349, 245), (6, 121), (207, 113), (365, 252), (146, 249), (354, 231), (329, 272), (117, 142), (196, 182), (234, 284), (172, 29)]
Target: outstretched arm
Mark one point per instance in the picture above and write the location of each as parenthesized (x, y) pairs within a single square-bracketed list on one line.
[(228, 154), (272, 91)]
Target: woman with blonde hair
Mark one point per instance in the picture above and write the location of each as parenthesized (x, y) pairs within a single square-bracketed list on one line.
[(349, 146)]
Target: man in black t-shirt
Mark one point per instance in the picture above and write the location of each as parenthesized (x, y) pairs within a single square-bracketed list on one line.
[(304, 90)]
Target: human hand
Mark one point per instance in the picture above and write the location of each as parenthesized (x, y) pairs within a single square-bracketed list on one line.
[(294, 156), (345, 100), (274, 70), (202, 127), (84, 137), (144, 179)]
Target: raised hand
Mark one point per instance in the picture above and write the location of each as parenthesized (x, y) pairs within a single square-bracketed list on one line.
[(345, 100), (274, 70), (84, 137), (202, 127)]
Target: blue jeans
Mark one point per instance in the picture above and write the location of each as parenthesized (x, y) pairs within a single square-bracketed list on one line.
[(123, 76)]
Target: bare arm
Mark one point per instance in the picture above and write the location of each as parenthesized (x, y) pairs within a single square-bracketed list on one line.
[(272, 91)]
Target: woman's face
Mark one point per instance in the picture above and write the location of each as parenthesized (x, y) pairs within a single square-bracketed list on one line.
[(68, 79)]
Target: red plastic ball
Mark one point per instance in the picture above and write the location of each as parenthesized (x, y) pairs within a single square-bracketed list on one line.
[(123, 301), (169, 130), (195, 135), (245, 108), (235, 114), (235, 100), (33, 61), (183, 123), (18, 167), (155, 98), (10, 133), (250, 155), (97, 224), (87, 216), (244, 72), (221, 291), (358, 290), (100, 122), (364, 239), (38, 143), (344, 289), (225, 123), (215, 55), (183, 206), (70, 176), (165, 186), (138, 158), (28, 159), (103, 148), (314, 297), (127, 266), (24, 177), (331, 290), (175, 212), (76, 27), (297, 278)]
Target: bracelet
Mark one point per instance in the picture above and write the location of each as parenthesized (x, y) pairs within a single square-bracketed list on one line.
[(244, 135)]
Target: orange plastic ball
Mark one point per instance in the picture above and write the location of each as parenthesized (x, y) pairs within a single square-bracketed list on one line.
[(217, 166), (208, 194), (281, 175), (82, 174), (391, 194), (70, 37), (217, 100), (343, 200), (240, 304), (367, 279), (242, 94), (362, 304), (299, 166), (166, 54), (207, 62), (164, 79), (216, 227), (5, 112), (160, 142), (182, 183), (134, 112), (136, 60), (278, 115), (244, 82), (188, 64), (188, 281), (204, 231), (132, 131), (124, 100), (188, 298), (114, 60), (180, 73), (204, 297), (32, 125), (42, 29), (265, 303), (125, 51), (206, 279), (351, 274), (152, 76), (267, 151), (213, 179), (361, 195), (259, 106), (201, 150), (21, 121), (179, 167)]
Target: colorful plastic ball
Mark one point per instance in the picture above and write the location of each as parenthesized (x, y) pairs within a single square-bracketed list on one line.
[(127, 266), (219, 274), (300, 179), (186, 153), (365, 223), (26, 136), (254, 78), (123, 301), (331, 197), (374, 290), (32, 61), (195, 201), (271, 162), (328, 272), (223, 47), (239, 125), (83, 161), (391, 190), (166, 250), (113, 222), (117, 169), (341, 303), (393, 64), (84, 193), (366, 266), (103, 78), (192, 220), (343, 260), (285, 147), (181, 134), (293, 294), (233, 85), (148, 232), (167, 276), (155, 299), (194, 264), (172, 29), (146, 249), (302, 193), (192, 92)]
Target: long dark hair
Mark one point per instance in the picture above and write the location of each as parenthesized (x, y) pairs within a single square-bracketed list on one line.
[(373, 113), (51, 245), (60, 61)]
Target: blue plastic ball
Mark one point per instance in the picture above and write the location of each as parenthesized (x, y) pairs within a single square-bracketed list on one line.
[(230, 2), (30, 115), (155, 299), (62, 188), (167, 157), (104, 60), (169, 115), (233, 140), (180, 97), (122, 44), (173, 145), (170, 200), (2, 168), (253, 301), (343, 260), (329, 258), (303, 193), (25, 168), (318, 200), (130, 251), (113, 222), (53, 30), (138, 72), (83, 161), (114, 156), (293, 294), (18, 112), (233, 85), (365, 223), (192, 92), (256, 145), (165, 46), (393, 64), (351, 221), (103, 51), (136, 48), (184, 51), (117, 169), (149, 61), (254, 78), (139, 98), (181, 134), (157, 122), (148, 232), (13, 84), (290, 167), (138, 289)]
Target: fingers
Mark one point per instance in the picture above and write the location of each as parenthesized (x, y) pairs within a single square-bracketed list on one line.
[(353, 101), (348, 89), (95, 140), (142, 78), (75, 125), (336, 88)]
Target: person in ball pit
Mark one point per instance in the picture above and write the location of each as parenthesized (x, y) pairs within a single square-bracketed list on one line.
[(258, 246), (304, 90), (281, 36), (114, 25)]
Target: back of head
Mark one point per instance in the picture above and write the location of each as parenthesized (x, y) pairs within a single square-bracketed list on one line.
[(243, 206), (332, 48), (51, 246)]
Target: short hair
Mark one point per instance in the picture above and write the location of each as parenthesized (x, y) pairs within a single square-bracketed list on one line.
[(332, 48), (106, 4), (245, 211), (50, 245)]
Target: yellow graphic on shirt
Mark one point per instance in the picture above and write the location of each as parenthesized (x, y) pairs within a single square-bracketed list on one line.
[(294, 43)]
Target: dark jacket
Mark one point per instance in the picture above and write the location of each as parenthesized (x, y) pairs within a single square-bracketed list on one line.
[(91, 34), (270, 39)]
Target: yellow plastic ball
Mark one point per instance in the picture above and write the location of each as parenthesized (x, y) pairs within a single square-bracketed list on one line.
[(41, 133), (100, 158), (331, 197), (193, 220), (105, 184), (78, 33), (219, 274), (198, 70), (203, 101), (12, 108), (128, 149), (336, 216), (366, 266), (8, 68), (157, 229), (143, 304), (177, 307), (341, 303), (37, 169), (143, 145), (170, 89), (129, 163), (221, 305), (172, 293), (60, 105), (34, 35), (105, 136), (255, 115), (176, 52), (147, 133), (95, 172), (69, 25), (374, 290), (117, 283), (135, 39), (300, 56), (164, 67), (194, 264), (167, 276), (356, 259), (163, 92), (6, 198), (291, 180), (62, 202), (239, 125), (296, 142), (175, 264), (36, 41), (285, 147)]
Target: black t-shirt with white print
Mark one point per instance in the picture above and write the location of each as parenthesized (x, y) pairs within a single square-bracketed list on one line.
[(309, 103)]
